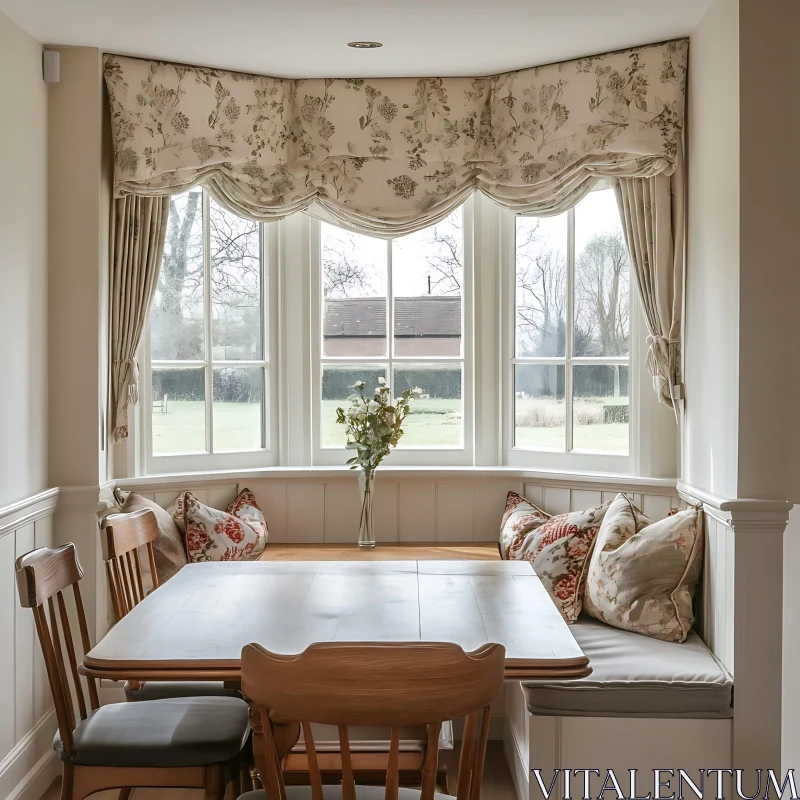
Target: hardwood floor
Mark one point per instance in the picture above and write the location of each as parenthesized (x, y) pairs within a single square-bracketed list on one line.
[(481, 551), (497, 784)]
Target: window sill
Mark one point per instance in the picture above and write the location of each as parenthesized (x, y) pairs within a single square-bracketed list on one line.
[(397, 473)]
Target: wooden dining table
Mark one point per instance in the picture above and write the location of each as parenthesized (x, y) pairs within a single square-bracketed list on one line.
[(194, 626)]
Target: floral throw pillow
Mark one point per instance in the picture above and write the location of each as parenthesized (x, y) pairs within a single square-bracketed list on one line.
[(643, 575), (214, 535), (557, 547), (245, 508)]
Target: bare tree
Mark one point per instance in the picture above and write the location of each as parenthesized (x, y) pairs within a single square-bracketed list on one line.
[(446, 258), (541, 296), (601, 289), (342, 271)]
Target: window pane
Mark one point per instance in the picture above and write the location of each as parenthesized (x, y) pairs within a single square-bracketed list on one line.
[(602, 279), (238, 395), (600, 408), (427, 276), (179, 411), (176, 317), (436, 418), (237, 318), (354, 286), (539, 407), (336, 388), (541, 286)]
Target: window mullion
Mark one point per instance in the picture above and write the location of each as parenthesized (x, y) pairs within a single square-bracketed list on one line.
[(207, 321), (570, 332), (265, 342), (390, 317)]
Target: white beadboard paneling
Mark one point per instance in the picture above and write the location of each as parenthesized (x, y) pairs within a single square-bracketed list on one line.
[(608, 496), (8, 610), (221, 496), (417, 511), (727, 657), (26, 721), (583, 499), (24, 641), (535, 493), (305, 512), (488, 505), (556, 500), (656, 506), (271, 499), (454, 512), (165, 499), (42, 699), (342, 511), (384, 511)]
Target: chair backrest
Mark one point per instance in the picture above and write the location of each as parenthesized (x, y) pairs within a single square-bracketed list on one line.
[(121, 536), (42, 577), (384, 684)]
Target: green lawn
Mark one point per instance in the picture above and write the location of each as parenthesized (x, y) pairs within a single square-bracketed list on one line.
[(540, 424), (432, 423), (435, 423), (237, 426)]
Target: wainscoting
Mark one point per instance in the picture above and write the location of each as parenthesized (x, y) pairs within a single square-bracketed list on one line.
[(27, 721), (715, 603), (411, 505)]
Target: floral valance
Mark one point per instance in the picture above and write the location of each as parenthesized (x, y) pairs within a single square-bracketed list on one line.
[(392, 155)]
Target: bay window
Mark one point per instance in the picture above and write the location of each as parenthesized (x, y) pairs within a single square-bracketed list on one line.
[(209, 367), (395, 309), (258, 331), (571, 367)]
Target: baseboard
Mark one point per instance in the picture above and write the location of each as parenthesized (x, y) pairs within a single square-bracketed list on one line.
[(515, 762), (27, 771)]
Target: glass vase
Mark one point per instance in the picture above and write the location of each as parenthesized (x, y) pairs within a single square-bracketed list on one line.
[(366, 534)]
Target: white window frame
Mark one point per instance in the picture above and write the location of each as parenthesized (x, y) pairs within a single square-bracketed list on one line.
[(570, 460), (401, 456), (209, 460), (293, 304)]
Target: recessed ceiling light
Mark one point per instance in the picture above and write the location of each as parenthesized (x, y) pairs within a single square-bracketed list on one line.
[(365, 45)]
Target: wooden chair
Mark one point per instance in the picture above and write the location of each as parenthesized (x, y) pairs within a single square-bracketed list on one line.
[(180, 742), (393, 685), (121, 538)]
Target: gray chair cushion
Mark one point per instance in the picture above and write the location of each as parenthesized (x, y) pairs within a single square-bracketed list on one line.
[(162, 690), (634, 675), (181, 732), (335, 793)]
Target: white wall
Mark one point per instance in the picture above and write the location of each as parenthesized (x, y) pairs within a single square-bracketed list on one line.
[(742, 286), (23, 266), (711, 346)]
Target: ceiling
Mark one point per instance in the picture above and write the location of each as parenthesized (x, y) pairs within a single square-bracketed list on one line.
[(307, 38)]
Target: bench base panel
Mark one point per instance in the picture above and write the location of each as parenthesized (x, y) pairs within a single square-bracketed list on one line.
[(610, 743)]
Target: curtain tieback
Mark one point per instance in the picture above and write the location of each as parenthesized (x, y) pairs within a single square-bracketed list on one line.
[(133, 377), (658, 353)]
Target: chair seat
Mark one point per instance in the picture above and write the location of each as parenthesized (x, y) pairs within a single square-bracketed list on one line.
[(163, 690), (636, 676), (335, 793), (179, 732)]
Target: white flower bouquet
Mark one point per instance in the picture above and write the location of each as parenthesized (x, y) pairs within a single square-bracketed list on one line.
[(374, 426)]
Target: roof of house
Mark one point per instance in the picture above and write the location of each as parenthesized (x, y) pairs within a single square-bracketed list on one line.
[(428, 316)]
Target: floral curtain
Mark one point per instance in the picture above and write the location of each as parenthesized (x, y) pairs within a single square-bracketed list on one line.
[(392, 155), (652, 212), (139, 230)]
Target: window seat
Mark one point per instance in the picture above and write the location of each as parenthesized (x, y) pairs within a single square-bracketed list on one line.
[(634, 675), (648, 705)]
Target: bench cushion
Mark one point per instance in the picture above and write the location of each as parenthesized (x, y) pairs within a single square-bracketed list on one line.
[(636, 676)]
